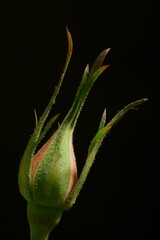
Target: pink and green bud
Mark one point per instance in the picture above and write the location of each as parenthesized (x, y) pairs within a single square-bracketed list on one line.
[(48, 176)]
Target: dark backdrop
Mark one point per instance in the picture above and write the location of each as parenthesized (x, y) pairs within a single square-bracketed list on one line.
[(120, 198)]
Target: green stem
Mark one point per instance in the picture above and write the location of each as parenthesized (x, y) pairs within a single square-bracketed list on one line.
[(42, 220)]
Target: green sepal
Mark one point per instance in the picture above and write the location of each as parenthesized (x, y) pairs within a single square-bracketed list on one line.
[(84, 78), (47, 127), (86, 83), (103, 120), (24, 179), (36, 118), (45, 114), (96, 65), (81, 95), (99, 60), (54, 166), (98, 138), (94, 147)]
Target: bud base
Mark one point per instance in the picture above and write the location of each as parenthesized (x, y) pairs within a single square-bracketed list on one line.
[(42, 220)]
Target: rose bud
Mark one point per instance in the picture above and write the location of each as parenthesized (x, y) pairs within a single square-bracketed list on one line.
[(48, 177)]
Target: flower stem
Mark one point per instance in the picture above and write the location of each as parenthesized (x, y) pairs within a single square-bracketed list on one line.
[(42, 220)]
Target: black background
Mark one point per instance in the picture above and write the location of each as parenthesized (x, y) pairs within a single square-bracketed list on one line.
[(120, 199)]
